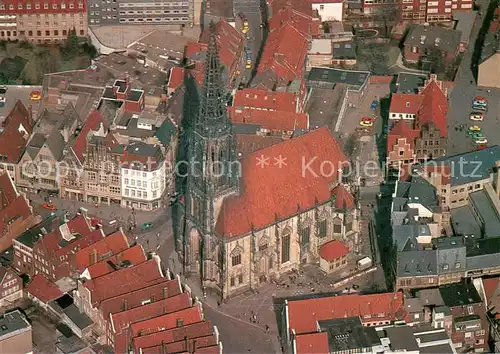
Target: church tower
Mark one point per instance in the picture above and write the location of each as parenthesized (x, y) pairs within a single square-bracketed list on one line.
[(212, 175)]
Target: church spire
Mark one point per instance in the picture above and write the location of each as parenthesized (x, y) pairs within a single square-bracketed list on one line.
[(213, 116)]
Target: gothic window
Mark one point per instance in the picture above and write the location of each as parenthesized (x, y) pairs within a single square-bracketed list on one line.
[(348, 226), (305, 232), (236, 260), (322, 228), (232, 281), (285, 249), (240, 279), (263, 243), (270, 264), (337, 228)]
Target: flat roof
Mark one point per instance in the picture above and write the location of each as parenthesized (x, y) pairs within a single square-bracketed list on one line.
[(410, 83), (321, 46), (464, 223), (12, 322), (355, 80), (487, 212)]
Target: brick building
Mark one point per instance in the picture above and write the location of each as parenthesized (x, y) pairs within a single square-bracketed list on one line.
[(16, 214), (422, 39), (43, 21), (14, 135), (432, 11), (11, 287)]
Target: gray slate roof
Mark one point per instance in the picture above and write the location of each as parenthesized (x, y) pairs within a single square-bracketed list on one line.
[(417, 263), (489, 219), (423, 36), (410, 83), (451, 255), (471, 166)]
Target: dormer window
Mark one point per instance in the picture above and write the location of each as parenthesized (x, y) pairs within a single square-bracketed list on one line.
[(445, 266), (407, 104)]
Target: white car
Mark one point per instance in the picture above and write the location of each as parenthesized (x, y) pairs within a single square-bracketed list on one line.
[(476, 116), (482, 141)]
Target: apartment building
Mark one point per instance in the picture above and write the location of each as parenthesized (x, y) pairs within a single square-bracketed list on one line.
[(143, 176), (142, 12), (432, 11), (42, 21)]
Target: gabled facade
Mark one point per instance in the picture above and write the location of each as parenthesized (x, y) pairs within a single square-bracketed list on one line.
[(39, 167), (11, 287)]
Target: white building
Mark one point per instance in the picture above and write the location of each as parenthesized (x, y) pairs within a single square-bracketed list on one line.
[(143, 176), (329, 10)]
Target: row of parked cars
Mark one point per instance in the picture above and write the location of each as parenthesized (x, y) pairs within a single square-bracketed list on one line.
[(479, 108)]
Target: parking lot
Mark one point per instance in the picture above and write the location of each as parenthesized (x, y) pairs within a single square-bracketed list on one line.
[(22, 93), (458, 141)]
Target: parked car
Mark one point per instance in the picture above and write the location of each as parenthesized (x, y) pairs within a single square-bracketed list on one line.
[(476, 116), (3, 90), (35, 95), (3, 100), (49, 206), (481, 141), (366, 122), (146, 226), (374, 104), (473, 129)]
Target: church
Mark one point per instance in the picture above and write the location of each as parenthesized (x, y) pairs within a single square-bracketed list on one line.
[(249, 221)]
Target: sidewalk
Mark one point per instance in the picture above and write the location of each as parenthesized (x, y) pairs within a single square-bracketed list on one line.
[(104, 212)]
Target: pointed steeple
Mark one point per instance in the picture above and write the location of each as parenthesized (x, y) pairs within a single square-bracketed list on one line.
[(213, 116)]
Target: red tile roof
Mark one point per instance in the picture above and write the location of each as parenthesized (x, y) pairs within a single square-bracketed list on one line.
[(94, 122), (108, 246), (194, 48), (200, 329), (333, 250), (168, 321), (268, 100), (284, 53), (160, 290), (406, 103), (248, 144), (270, 174), (12, 207), (287, 15), (400, 130), (43, 289), (124, 280), (299, 6), (434, 107), (343, 198), (17, 128), (230, 44), (270, 120), (133, 256), (312, 343), (121, 321), (190, 345), (176, 77), (304, 314)]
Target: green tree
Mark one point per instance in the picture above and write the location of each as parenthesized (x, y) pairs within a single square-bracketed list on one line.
[(433, 61), (71, 47)]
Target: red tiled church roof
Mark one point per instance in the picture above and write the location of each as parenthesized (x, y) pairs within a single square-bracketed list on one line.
[(333, 250), (176, 77), (279, 180), (343, 198)]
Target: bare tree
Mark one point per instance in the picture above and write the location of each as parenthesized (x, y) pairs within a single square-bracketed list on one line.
[(387, 14)]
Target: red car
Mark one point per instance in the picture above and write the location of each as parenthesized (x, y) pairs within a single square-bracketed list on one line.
[(49, 206), (481, 146)]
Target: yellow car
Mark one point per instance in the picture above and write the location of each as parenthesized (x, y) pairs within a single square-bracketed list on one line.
[(248, 64), (475, 128), (35, 95), (245, 29), (366, 123)]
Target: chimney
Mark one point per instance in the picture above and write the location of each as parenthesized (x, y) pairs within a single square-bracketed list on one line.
[(164, 293), (124, 305), (119, 258), (93, 256)]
